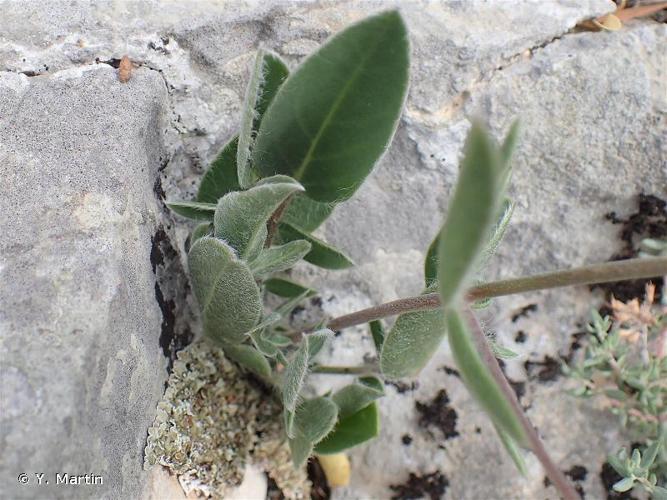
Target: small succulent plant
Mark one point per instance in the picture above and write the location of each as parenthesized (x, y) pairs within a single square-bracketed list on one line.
[(307, 141)]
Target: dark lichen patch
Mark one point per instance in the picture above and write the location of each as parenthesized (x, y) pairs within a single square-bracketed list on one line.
[(172, 338), (546, 370), (438, 414), (523, 312), (403, 387), (450, 371), (406, 439), (649, 221), (520, 337), (431, 486), (577, 473), (609, 477)]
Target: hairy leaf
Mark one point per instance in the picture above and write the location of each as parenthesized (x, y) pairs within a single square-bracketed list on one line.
[(193, 209), (431, 263), (513, 450), (226, 291), (268, 75), (358, 395), (479, 380), (497, 232), (241, 217), (471, 213), (307, 214), (249, 358), (279, 258), (321, 254), (411, 342), (295, 374), (351, 431), (506, 151), (335, 115), (285, 288), (313, 420), (317, 340), (221, 177), (377, 331)]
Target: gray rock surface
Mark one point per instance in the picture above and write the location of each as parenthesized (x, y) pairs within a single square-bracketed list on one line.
[(82, 364)]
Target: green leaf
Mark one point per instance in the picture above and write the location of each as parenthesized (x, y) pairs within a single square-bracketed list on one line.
[(513, 450), (479, 380), (431, 263), (618, 464), (249, 358), (313, 420), (411, 342), (241, 216), (321, 253), (502, 352), (307, 214), (295, 374), (650, 454), (471, 213), (193, 209), (624, 484), (336, 114), (279, 258), (268, 75), (203, 229), (497, 232), (351, 431), (506, 151), (226, 291), (358, 395), (220, 178), (285, 288), (377, 331), (317, 340)]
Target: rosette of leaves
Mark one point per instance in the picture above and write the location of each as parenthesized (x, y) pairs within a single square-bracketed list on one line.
[(307, 140)]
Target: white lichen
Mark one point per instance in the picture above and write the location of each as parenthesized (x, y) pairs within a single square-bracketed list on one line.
[(212, 421)]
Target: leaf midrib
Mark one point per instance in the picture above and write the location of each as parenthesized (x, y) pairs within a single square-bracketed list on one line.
[(334, 109)]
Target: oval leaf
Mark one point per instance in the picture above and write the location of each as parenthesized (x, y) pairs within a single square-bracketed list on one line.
[(268, 75), (295, 374), (240, 217), (193, 209), (250, 358), (351, 431), (335, 115), (321, 254), (471, 213), (278, 258), (354, 397), (316, 342), (307, 214), (226, 291), (411, 342), (285, 288), (221, 177), (479, 380), (314, 418)]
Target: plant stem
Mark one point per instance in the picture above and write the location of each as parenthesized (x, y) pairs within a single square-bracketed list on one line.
[(272, 223), (344, 370), (553, 472), (586, 275)]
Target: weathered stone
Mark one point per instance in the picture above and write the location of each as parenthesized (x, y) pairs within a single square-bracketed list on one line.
[(82, 367)]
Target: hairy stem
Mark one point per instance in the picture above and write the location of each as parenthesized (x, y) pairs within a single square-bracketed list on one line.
[(550, 468), (345, 370), (586, 275), (272, 223)]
